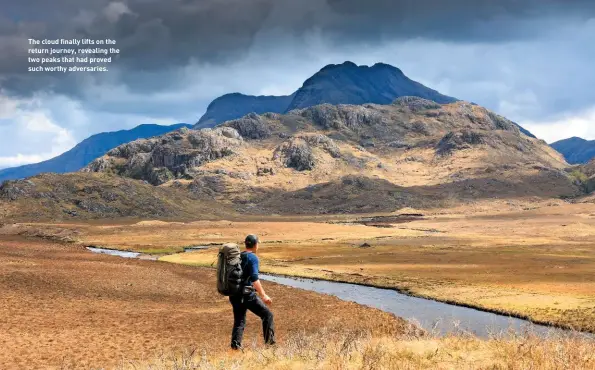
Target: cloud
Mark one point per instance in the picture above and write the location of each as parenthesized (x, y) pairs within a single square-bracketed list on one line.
[(20, 159), (581, 124), (161, 36), (529, 60), (31, 135), (42, 127), (113, 11)]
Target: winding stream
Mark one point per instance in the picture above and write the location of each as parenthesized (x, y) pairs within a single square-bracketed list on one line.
[(436, 317)]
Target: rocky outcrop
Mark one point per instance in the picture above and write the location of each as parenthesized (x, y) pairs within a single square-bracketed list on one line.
[(339, 117), (175, 155), (298, 152), (15, 189), (454, 141), (416, 104), (251, 126)]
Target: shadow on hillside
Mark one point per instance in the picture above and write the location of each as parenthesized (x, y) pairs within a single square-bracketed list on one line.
[(361, 194)]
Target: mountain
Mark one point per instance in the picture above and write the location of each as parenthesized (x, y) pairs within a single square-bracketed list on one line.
[(348, 83), (350, 159), (576, 150), (236, 105), (344, 83), (86, 151)]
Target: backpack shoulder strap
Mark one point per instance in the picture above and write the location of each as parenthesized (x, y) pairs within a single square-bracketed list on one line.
[(244, 259)]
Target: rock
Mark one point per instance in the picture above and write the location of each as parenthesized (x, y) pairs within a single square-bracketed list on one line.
[(240, 175), (342, 116), (296, 154), (398, 144), (158, 176), (251, 126), (102, 164), (264, 171), (501, 123), (324, 142), (454, 141), (368, 143), (420, 128), (208, 185), (172, 156), (70, 212), (416, 104), (16, 189), (365, 245), (414, 159), (230, 132)]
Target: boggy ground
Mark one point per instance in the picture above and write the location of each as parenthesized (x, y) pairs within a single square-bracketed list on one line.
[(64, 307), (536, 262)]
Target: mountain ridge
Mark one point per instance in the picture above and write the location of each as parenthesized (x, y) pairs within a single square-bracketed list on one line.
[(86, 151), (225, 107), (380, 83), (348, 83), (575, 149), (349, 159), (358, 85)]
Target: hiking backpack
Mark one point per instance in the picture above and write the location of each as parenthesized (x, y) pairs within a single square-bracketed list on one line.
[(229, 270)]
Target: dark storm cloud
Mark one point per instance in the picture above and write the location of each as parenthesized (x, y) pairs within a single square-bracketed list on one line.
[(156, 35), (458, 20)]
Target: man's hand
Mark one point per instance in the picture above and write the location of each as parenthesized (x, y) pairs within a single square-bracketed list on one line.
[(265, 298)]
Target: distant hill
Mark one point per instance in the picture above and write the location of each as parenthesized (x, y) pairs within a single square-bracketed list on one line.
[(86, 151), (235, 105), (345, 83), (576, 150)]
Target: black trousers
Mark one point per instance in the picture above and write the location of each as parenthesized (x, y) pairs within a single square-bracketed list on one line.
[(254, 304)]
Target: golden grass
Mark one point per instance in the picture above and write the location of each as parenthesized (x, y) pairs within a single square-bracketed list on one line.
[(536, 263), (352, 349)]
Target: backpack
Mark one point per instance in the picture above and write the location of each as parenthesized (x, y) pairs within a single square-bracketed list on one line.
[(229, 270)]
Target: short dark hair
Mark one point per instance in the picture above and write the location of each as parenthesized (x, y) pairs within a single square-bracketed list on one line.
[(251, 241)]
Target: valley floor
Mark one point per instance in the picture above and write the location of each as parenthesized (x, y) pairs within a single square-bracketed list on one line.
[(66, 306), (533, 263)]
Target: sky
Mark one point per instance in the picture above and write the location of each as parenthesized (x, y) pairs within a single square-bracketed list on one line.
[(529, 60)]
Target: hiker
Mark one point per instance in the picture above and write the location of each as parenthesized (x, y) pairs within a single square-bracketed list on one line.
[(242, 291)]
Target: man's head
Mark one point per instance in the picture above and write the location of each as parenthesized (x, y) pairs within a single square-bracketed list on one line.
[(251, 242)]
